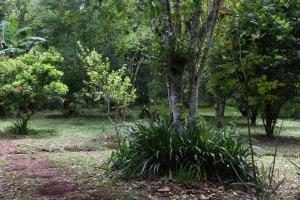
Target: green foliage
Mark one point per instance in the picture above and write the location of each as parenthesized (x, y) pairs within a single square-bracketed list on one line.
[(29, 81), (259, 41), (104, 83), (17, 40), (161, 148), (291, 109)]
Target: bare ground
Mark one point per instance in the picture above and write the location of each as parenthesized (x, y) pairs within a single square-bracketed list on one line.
[(54, 182), (50, 182)]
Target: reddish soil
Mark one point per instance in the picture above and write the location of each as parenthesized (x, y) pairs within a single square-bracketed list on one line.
[(55, 182), (78, 149), (6, 147), (109, 141)]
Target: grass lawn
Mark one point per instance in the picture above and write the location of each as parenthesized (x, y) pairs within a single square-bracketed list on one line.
[(78, 146)]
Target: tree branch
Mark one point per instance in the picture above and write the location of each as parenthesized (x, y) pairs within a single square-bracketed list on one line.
[(209, 35)]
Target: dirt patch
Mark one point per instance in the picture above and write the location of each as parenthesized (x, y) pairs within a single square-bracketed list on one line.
[(110, 141), (79, 149), (59, 189), (30, 167), (53, 182), (6, 147), (48, 150)]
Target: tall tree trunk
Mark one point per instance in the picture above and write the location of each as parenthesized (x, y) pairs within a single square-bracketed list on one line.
[(175, 101), (269, 128), (253, 112), (220, 104), (108, 106), (117, 113), (253, 115), (193, 93), (3, 111), (200, 55)]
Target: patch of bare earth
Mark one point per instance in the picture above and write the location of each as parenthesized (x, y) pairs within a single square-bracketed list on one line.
[(55, 182), (79, 149), (109, 141)]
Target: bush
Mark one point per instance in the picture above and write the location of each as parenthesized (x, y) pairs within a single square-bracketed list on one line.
[(161, 148), (291, 110), (30, 81), (73, 104)]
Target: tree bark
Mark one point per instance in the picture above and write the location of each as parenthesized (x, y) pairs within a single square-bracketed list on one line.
[(117, 113), (220, 104), (193, 93), (200, 54), (253, 116), (269, 119), (201, 35), (269, 128), (3, 111), (108, 106), (253, 112), (175, 99)]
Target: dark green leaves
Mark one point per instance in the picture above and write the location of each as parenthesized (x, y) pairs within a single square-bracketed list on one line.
[(160, 147)]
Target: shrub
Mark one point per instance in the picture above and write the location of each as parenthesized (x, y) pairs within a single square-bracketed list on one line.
[(291, 110), (161, 148), (29, 81)]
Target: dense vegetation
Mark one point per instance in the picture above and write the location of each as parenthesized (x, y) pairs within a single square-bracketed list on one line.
[(161, 60)]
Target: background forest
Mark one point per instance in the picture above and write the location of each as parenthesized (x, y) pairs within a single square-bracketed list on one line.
[(179, 90)]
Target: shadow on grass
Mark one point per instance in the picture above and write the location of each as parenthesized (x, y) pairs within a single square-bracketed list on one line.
[(58, 116), (226, 118), (83, 115), (288, 146), (286, 141), (281, 139), (33, 133), (244, 125)]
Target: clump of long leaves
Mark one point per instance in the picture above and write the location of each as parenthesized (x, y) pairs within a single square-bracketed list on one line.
[(163, 148)]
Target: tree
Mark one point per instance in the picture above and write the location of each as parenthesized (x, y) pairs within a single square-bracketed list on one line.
[(221, 71), (99, 25), (139, 57), (28, 81), (114, 86), (269, 58), (184, 31)]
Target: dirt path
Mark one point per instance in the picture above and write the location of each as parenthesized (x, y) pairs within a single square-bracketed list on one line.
[(49, 182)]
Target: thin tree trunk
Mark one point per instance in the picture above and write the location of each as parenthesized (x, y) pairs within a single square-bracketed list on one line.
[(193, 93), (108, 107), (117, 114), (195, 73), (175, 80), (253, 116), (269, 128), (220, 104), (3, 111), (269, 120)]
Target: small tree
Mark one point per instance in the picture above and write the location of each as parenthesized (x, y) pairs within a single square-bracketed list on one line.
[(120, 89), (27, 82), (106, 84)]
